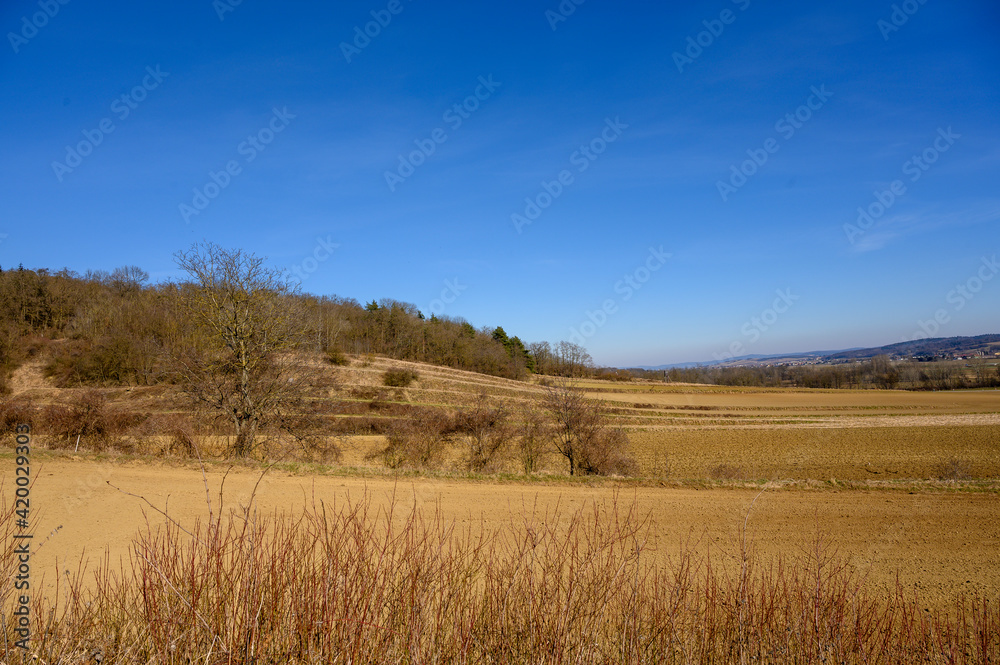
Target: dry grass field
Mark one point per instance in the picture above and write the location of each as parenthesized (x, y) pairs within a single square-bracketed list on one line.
[(903, 489), (684, 432)]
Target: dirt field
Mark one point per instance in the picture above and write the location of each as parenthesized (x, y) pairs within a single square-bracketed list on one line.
[(939, 542), (891, 446)]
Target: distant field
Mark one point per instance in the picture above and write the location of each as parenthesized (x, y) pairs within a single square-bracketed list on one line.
[(686, 431), (677, 431)]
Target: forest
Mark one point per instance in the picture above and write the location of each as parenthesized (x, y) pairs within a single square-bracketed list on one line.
[(116, 328)]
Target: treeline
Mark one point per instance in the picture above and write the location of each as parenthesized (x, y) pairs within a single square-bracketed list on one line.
[(105, 328), (878, 373)]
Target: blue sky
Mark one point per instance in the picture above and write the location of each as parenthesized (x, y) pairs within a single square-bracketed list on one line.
[(661, 184)]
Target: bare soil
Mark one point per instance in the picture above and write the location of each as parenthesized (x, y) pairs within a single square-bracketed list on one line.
[(938, 543)]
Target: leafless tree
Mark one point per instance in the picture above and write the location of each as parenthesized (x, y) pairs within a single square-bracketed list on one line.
[(533, 436), (245, 320), (487, 426), (573, 359), (583, 435)]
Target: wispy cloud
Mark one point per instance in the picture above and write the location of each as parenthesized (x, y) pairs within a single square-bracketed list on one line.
[(896, 227)]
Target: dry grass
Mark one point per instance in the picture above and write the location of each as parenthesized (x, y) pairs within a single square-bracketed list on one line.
[(348, 583)]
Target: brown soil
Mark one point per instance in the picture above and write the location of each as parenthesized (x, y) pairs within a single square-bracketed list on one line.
[(940, 543)]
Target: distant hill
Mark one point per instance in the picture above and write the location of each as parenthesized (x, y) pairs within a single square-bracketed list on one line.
[(934, 347), (938, 347)]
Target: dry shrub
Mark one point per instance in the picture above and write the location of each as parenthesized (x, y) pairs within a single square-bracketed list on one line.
[(363, 425), (487, 429), (14, 412), (335, 356), (303, 436), (534, 436), (954, 469), (582, 435), (179, 430), (399, 378), (352, 583), (365, 392), (89, 418), (419, 442), (606, 454), (725, 472)]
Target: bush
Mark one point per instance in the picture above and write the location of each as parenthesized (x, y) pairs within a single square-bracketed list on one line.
[(533, 439), (487, 427), (582, 435), (357, 581), (178, 428), (90, 418), (399, 378), (335, 356), (954, 469), (606, 454), (109, 360), (11, 355), (15, 412), (364, 425), (419, 442), (725, 472)]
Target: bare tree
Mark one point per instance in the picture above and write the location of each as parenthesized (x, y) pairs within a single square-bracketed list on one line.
[(128, 279), (533, 436), (582, 433), (244, 314), (487, 426), (573, 358)]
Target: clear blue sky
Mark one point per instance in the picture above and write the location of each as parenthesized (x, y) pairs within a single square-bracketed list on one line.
[(644, 111)]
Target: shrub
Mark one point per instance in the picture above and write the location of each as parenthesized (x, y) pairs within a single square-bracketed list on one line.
[(419, 442), (10, 356), (335, 356), (581, 434), (533, 436), (725, 472), (606, 454), (399, 378), (365, 425), (15, 412), (103, 361), (358, 582), (954, 469), (90, 418), (178, 428), (487, 428)]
